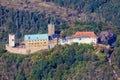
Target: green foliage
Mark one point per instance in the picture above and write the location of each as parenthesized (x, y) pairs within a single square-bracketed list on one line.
[(21, 22), (20, 76), (101, 57), (91, 26), (66, 62), (117, 43), (2, 50), (78, 27), (108, 10)]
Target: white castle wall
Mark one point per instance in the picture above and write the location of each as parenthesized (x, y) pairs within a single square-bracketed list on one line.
[(78, 40)]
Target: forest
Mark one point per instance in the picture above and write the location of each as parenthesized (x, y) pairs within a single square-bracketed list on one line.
[(69, 62), (107, 9), (21, 22), (61, 63)]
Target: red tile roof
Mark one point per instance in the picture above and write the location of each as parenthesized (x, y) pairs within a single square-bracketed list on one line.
[(85, 34)]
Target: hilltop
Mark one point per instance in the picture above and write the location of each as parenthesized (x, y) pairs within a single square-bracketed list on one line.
[(49, 8), (106, 11)]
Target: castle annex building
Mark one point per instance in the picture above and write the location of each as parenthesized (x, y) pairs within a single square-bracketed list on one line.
[(86, 37), (80, 37)]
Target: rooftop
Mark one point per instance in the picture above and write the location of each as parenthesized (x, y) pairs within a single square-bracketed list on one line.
[(54, 36), (36, 37), (85, 34)]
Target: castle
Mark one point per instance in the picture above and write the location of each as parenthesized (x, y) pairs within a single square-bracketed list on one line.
[(35, 42)]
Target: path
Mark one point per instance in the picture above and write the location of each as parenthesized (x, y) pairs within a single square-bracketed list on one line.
[(113, 70)]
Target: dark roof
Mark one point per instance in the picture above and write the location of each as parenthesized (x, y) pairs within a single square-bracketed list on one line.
[(54, 36)]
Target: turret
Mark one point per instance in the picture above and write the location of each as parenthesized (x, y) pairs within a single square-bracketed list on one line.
[(51, 29), (11, 40)]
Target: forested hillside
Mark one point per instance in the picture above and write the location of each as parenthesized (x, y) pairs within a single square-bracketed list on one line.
[(61, 63), (106, 11)]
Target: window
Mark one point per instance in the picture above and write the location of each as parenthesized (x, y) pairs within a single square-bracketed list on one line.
[(12, 39), (28, 38)]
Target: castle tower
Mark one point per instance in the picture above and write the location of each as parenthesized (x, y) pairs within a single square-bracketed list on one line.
[(51, 29), (11, 40)]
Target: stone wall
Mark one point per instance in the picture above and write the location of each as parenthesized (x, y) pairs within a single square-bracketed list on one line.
[(21, 50), (16, 50)]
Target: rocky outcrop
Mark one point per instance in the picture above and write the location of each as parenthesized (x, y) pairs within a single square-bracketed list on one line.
[(107, 36)]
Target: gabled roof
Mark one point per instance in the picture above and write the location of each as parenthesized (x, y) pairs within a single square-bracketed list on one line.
[(85, 34), (36, 37)]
